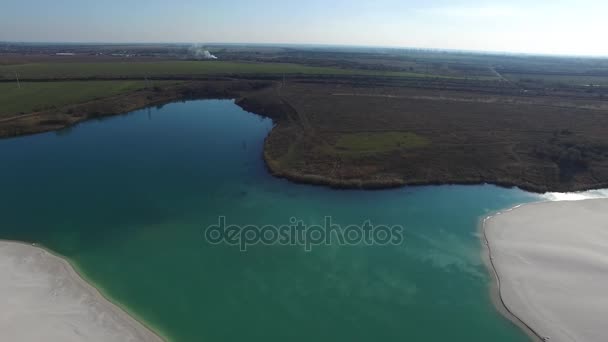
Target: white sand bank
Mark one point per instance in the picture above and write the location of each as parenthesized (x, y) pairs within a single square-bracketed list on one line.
[(551, 259), (42, 298)]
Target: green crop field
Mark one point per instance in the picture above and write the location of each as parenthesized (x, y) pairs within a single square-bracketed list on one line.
[(34, 96), (376, 142), (176, 69)]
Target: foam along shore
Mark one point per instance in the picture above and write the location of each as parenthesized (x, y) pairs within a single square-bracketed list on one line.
[(551, 261), (42, 298)]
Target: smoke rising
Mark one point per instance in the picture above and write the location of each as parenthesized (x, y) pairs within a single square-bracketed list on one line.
[(198, 52)]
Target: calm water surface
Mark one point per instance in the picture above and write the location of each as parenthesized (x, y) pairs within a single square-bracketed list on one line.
[(127, 199)]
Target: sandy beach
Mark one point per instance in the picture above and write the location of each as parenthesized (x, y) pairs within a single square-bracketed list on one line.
[(42, 298), (551, 262)]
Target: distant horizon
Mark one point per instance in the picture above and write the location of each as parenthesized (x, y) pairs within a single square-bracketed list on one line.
[(542, 27), (313, 45)]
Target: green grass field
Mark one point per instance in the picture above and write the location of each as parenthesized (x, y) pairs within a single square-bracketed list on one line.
[(377, 142), (34, 96), (177, 69)]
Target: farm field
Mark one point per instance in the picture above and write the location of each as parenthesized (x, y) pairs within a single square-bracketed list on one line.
[(577, 80), (37, 96), (179, 69)]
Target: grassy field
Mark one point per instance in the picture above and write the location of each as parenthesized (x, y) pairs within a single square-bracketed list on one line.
[(35, 96), (421, 136), (377, 142), (177, 69), (559, 79)]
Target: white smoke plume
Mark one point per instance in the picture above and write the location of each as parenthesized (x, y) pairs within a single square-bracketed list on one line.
[(208, 55), (198, 52)]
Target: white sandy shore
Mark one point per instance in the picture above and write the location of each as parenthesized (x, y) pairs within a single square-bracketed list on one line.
[(42, 298), (551, 260)]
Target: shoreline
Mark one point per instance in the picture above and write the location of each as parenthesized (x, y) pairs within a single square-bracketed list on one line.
[(494, 290), (372, 185), (96, 300), (546, 259)]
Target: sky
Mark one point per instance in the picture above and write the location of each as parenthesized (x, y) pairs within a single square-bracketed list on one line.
[(566, 27)]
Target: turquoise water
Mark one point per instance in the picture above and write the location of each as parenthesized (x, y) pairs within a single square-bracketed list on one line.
[(127, 199)]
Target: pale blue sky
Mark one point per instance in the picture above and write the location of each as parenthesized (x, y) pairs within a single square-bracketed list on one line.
[(578, 27)]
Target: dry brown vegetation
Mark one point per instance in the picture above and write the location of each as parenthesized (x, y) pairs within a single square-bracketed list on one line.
[(539, 144)]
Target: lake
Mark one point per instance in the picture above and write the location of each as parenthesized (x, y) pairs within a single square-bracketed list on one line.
[(127, 200)]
